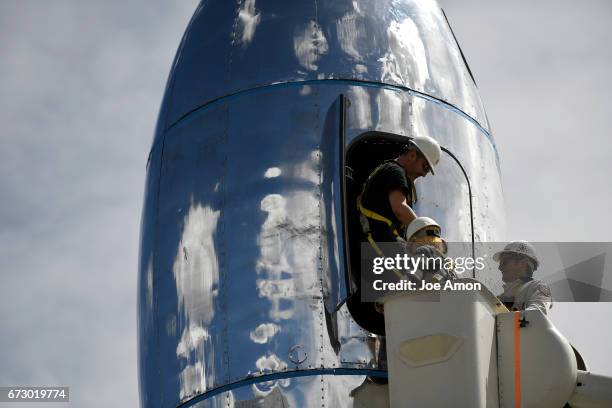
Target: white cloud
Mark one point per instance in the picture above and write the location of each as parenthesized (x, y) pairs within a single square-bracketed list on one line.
[(248, 20), (264, 332), (309, 44)]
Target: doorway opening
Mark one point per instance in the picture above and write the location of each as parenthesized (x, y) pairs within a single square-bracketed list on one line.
[(363, 155)]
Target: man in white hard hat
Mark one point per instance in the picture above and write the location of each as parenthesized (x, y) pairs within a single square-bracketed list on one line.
[(425, 231), (388, 194), (423, 237), (517, 262), (385, 204)]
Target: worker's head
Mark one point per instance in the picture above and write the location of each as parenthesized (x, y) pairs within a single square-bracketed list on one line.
[(425, 231), (419, 156), (517, 260)]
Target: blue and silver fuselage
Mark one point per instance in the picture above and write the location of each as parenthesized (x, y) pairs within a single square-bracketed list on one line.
[(243, 261)]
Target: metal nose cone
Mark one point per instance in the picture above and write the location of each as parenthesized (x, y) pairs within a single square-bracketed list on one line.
[(233, 47)]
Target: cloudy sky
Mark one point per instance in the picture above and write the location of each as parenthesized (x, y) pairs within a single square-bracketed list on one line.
[(80, 87), (543, 71), (81, 84)]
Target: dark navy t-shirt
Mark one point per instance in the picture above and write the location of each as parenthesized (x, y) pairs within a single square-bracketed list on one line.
[(389, 177)]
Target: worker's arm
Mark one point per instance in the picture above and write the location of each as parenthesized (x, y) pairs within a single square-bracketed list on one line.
[(539, 297), (400, 207), (538, 304)]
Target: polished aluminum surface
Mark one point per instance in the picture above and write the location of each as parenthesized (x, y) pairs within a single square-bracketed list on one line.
[(242, 243), (233, 46)]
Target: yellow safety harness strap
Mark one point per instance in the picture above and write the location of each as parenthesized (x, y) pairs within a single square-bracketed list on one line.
[(369, 213), (378, 217), (380, 253), (375, 216)]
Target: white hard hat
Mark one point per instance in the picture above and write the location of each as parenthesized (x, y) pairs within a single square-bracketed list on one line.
[(419, 224), (520, 248), (429, 148)]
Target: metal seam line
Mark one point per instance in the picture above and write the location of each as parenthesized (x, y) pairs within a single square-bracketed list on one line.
[(280, 376), (354, 82)]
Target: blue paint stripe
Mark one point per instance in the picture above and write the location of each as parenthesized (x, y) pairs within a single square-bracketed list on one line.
[(281, 376), (350, 82)]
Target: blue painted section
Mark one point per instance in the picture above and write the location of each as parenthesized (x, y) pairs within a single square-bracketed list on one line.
[(235, 45), (346, 82)]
